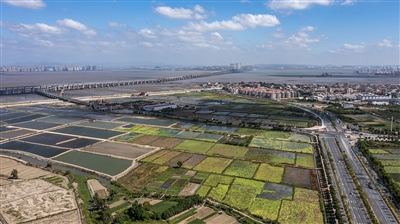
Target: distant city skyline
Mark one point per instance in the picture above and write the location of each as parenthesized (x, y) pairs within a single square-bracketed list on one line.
[(344, 32)]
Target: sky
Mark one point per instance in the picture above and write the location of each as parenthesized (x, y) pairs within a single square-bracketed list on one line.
[(191, 33)]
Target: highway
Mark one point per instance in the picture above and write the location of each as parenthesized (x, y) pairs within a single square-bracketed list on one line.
[(356, 206)]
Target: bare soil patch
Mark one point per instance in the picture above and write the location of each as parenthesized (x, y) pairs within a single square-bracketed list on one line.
[(166, 142), (314, 180), (297, 176), (24, 172), (150, 200), (193, 161), (118, 149), (144, 140), (221, 218), (34, 199), (189, 189), (203, 212), (65, 217), (181, 157), (190, 173)]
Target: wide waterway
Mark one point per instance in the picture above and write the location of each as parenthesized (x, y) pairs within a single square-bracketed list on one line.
[(273, 76)]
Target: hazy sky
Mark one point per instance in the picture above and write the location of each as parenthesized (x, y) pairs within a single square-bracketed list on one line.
[(339, 32)]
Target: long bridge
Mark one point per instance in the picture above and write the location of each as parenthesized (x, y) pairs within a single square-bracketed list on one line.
[(93, 85)]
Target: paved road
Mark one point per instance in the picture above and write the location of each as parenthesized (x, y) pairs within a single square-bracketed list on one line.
[(357, 209), (378, 205)]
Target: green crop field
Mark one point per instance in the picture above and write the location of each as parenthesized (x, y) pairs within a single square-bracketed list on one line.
[(266, 208), (194, 146), (242, 192), (249, 131), (297, 147), (271, 156), (377, 151), (266, 143), (390, 162), (141, 129), (166, 132), (213, 165), (155, 156), (387, 156), (209, 137), (305, 208), (269, 173), (300, 137), (392, 169), (166, 157), (138, 178), (263, 133), (215, 179), (203, 191), (163, 206), (166, 174), (276, 134), (240, 168), (228, 150), (305, 160), (218, 193)]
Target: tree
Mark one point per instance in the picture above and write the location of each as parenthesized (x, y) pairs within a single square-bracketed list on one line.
[(179, 163), (14, 174), (147, 206)]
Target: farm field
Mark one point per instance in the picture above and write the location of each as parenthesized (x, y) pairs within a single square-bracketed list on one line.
[(300, 177), (214, 179), (228, 150), (305, 160), (218, 193), (271, 156), (304, 208), (213, 165), (24, 172), (166, 157), (269, 173), (194, 146), (144, 139), (234, 175), (166, 142), (154, 156), (300, 137), (140, 177), (379, 151), (209, 137), (139, 129), (193, 161), (95, 162), (240, 168), (242, 192), (262, 133), (268, 203), (281, 145)]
